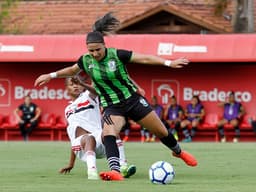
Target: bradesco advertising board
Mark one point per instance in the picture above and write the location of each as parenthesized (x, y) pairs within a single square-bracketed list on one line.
[(211, 75), (17, 81), (162, 82)]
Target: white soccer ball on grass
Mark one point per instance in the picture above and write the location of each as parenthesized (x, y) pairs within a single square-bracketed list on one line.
[(161, 172)]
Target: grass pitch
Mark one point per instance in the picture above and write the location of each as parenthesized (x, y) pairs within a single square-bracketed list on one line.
[(33, 167)]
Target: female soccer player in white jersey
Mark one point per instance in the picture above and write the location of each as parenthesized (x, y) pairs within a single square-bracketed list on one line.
[(85, 130)]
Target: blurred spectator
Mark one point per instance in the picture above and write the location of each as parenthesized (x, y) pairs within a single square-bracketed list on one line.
[(27, 115), (233, 112), (145, 135), (194, 114), (174, 114), (252, 121), (160, 113)]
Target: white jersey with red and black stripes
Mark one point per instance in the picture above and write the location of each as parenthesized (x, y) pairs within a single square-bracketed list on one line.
[(83, 112)]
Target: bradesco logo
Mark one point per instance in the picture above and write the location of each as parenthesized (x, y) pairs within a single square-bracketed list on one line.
[(5, 94), (215, 95), (45, 93), (164, 89)]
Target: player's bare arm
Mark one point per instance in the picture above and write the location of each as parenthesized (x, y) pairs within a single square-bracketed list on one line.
[(38, 114), (16, 113), (155, 60), (71, 164), (65, 72)]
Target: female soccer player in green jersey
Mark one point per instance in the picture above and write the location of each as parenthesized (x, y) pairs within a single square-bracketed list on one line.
[(117, 92)]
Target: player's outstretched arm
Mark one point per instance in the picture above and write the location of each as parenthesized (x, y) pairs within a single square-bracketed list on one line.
[(71, 164), (65, 72), (155, 60)]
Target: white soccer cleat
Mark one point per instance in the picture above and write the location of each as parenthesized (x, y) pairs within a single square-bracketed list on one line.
[(93, 174)]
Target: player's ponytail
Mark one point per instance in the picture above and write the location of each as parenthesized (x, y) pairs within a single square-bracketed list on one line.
[(107, 24), (104, 26)]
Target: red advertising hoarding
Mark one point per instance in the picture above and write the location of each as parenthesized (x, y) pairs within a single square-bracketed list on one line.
[(211, 74), (210, 81)]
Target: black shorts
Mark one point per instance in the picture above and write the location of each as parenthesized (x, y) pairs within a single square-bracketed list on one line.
[(135, 107)]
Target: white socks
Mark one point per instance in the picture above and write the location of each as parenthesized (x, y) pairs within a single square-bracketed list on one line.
[(122, 158), (91, 160)]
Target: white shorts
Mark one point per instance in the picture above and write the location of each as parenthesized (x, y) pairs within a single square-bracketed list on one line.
[(99, 149)]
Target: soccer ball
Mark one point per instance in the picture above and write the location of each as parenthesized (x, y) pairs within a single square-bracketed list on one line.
[(161, 172)]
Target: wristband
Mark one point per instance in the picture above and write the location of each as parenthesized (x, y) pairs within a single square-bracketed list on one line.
[(53, 75), (168, 63)]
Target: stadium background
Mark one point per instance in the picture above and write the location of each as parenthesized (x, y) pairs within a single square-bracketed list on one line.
[(45, 41), (215, 68)]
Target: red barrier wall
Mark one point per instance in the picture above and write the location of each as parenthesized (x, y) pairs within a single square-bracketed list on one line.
[(212, 80)]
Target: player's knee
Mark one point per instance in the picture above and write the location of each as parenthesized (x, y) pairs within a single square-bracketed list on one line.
[(90, 139), (88, 142)]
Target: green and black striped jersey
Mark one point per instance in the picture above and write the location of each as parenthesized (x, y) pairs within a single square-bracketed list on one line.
[(110, 77)]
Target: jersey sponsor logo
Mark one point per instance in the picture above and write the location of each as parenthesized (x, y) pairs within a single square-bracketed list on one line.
[(112, 65), (5, 93), (164, 89)]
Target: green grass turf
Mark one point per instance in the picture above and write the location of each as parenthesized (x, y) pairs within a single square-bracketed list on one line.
[(33, 167)]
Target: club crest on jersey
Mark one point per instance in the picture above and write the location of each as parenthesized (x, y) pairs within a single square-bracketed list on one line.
[(91, 66), (31, 108), (112, 65), (143, 102)]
